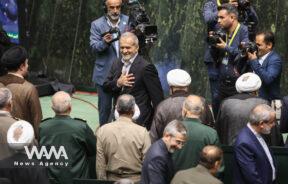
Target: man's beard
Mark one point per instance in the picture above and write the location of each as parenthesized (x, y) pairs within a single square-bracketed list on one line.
[(266, 131), (114, 17)]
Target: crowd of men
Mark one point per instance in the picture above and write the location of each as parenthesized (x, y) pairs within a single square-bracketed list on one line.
[(142, 137)]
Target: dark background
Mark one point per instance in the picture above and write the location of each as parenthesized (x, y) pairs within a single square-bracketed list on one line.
[(60, 29)]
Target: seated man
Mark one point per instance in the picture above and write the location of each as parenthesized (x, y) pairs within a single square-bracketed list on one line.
[(20, 136), (158, 164), (209, 163), (75, 135), (121, 145)]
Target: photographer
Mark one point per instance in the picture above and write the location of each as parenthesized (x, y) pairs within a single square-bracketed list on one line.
[(212, 54), (247, 16), (105, 32), (235, 34), (267, 65)]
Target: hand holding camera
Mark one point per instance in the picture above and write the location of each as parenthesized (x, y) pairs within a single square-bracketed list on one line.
[(248, 50), (112, 35)]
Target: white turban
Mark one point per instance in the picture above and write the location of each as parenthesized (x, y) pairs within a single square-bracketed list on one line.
[(248, 82), (178, 78), (20, 134)]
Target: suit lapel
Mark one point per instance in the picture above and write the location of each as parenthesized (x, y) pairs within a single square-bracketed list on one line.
[(265, 62), (258, 145), (136, 62)]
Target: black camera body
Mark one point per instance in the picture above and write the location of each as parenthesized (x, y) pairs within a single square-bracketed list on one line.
[(250, 47), (214, 38), (243, 4), (115, 32)]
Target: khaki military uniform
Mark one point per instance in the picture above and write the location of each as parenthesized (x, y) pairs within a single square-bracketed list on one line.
[(121, 148), (6, 120)]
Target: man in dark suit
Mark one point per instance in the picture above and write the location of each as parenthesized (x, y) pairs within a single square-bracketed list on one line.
[(254, 163), (106, 50), (135, 76), (267, 65), (158, 165)]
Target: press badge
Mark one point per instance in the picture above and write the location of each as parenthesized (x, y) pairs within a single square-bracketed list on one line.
[(225, 61)]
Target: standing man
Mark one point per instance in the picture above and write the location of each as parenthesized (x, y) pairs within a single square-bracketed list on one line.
[(254, 163), (6, 120), (235, 34), (26, 103), (267, 65), (106, 49), (121, 145), (158, 164), (171, 108), (75, 135), (135, 76), (210, 161), (198, 134)]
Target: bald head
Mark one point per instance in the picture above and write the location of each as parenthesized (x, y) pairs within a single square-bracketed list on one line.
[(125, 104), (210, 155), (193, 106), (61, 103)]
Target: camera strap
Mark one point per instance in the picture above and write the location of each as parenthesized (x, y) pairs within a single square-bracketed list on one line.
[(218, 3), (225, 59), (233, 36)]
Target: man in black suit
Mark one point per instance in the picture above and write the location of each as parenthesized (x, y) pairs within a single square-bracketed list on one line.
[(158, 165), (135, 76)]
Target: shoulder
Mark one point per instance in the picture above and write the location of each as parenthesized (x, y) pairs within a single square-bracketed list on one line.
[(275, 56), (99, 21), (124, 18)]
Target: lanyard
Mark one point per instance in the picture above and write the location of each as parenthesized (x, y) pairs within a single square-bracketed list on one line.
[(233, 36), (218, 3)]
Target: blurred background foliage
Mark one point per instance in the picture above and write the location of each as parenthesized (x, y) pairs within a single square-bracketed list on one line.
[(60, 29)]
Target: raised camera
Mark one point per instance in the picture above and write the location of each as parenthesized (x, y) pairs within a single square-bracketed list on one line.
[(246, 47), (214, 38), (115, 32)]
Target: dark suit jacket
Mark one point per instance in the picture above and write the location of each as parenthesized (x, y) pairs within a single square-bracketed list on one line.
[(146, 90), (251, 165), (270, 74), (23, 174), (157, 165)]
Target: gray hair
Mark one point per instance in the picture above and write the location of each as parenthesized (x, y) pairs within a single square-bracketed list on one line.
[(175, 127), (260, 113), (125, 104), (61, 102), (130, 35), (5, 97), (194, 106)]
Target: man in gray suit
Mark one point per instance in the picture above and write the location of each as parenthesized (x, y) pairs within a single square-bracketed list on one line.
[(209, 163), (105, 46)]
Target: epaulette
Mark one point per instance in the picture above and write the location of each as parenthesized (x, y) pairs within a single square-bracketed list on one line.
[(82, 120), (45, 119)]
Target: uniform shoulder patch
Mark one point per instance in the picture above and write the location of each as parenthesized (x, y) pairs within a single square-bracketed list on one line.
[(45, 119)]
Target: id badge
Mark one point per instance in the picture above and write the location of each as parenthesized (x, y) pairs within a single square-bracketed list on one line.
[(225, 61)]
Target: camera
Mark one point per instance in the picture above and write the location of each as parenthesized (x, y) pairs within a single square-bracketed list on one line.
[(243, 4), (214, 38), (115, 32), (246, 47)]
